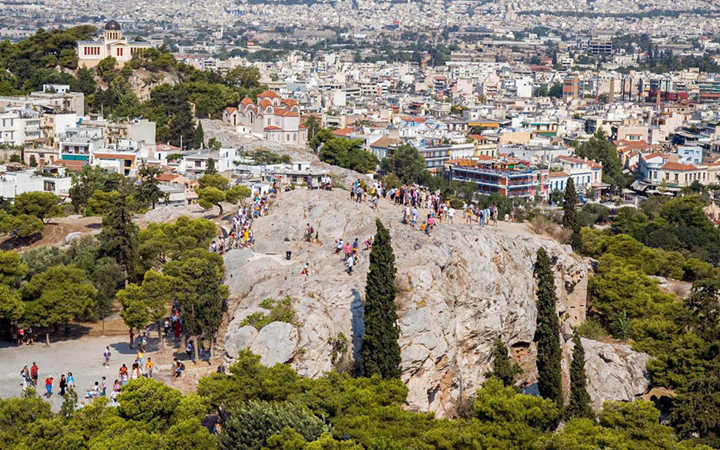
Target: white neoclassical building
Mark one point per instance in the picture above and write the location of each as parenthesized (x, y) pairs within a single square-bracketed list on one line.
[(112, 43)]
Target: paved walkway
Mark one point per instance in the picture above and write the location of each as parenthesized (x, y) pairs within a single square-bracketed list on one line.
[(83, 357)]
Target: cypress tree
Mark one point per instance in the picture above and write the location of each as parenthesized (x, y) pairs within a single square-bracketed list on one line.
[(199, 136), (547, 332), (579, 405), (119, 238), (503, 368), (380, 349), (570, 220)]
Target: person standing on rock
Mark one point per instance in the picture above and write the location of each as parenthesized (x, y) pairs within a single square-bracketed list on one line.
[(350, 262)]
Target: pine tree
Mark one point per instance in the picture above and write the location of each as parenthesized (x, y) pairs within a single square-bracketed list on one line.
[(503, 368), (380, 350), (570, 220), (579, 399), (210, 167), (199, 136), (547, 333)]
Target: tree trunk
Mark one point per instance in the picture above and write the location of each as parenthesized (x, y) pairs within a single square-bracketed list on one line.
[(221, 210), (132, 338), (195, 348), (47, 338)]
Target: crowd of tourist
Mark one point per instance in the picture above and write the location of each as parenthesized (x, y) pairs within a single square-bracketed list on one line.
[(241, 233), (141, 366)]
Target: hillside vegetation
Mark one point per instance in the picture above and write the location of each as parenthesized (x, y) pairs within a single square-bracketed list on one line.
[(50, 57)]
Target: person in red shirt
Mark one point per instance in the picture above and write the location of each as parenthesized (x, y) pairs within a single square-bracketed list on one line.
[(34, 374), (48, 385)]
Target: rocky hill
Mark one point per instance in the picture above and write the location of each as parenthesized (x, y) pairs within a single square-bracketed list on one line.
[(457, 290)]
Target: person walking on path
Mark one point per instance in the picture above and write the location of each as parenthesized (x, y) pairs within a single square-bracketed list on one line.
[(149, 366), (70, 381), (63, 385), (48, 386), (106, 355), (34, 373)]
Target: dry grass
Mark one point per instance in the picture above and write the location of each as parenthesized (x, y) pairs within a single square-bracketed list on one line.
[(542, 225)]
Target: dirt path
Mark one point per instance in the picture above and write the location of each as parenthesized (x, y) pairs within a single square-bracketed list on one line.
[(56, 231)]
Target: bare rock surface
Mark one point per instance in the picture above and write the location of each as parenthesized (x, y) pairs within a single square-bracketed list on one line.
[(613, 371), (458, 289)]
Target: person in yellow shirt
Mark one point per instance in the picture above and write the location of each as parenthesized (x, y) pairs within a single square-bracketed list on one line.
[(149, 366)]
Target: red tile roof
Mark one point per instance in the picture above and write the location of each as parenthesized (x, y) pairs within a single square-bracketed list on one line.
[(557, 175), (670, 165), (285, 112), (269, 94), (113, 156), (343, 131), (73, 165), (246, 101), (273, 128), (166, 177), (634, 145), (230, 109), (572, 159)]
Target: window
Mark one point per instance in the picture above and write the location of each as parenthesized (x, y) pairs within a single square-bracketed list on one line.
[(119, 52)]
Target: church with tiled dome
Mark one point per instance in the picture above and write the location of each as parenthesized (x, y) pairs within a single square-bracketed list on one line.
[(111, 43)]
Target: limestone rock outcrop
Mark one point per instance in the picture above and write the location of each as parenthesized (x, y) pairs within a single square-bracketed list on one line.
[(613, 371), (458, 289)]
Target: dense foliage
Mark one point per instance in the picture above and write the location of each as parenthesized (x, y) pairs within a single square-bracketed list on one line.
[(503, 368), (547, 332), (51, 57), (380, 349), (671, 238), (570, 219), (273, 407), (579, 404), (599, 148)]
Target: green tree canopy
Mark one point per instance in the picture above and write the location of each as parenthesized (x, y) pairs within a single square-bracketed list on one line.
[(148, 402), (56, 296), (579, 405), (251, 423), (380, 349), (547, 333), (503, 368), (42, 205), (199, 288), (599, 148), (406, 163)]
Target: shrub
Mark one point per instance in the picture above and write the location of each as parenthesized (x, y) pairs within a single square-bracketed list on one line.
[(251, 423), (279, 311), (592, 329)]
